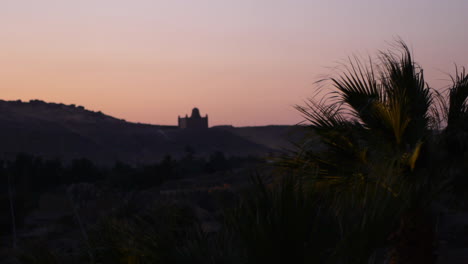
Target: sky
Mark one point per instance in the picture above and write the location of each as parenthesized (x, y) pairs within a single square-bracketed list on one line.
[(242, 62)]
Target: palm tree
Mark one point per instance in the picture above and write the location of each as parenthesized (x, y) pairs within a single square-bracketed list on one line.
[(370, 150), (454, 137)]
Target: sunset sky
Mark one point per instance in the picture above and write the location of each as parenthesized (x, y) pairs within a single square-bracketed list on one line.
[(244, 62)]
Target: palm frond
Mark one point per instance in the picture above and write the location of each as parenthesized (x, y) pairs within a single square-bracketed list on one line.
[(358, 88), (458, 104), (404, 87)]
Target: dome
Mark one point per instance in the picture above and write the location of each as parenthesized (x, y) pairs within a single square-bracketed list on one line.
[(195, 113)]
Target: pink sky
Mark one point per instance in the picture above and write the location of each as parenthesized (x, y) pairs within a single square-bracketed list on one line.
[(244, 62)]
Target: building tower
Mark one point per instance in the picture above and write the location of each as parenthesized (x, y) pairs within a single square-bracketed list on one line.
[(195, 121)]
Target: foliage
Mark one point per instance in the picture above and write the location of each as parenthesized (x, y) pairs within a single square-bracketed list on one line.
[(375, 151), (37, 253), (282, 223), (167, 233)]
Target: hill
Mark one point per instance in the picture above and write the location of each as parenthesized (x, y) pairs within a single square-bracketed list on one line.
[(276, 137), (69, 131)]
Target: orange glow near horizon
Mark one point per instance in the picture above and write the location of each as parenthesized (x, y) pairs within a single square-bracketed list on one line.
[(241, 62)]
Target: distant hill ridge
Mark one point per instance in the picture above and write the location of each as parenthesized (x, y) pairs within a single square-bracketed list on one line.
[(64, 131), (54, 111)]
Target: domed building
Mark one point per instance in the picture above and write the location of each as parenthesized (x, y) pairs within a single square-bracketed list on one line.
[(194, 121)]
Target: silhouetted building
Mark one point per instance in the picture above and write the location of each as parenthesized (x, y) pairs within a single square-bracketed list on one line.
[(194, 121)]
